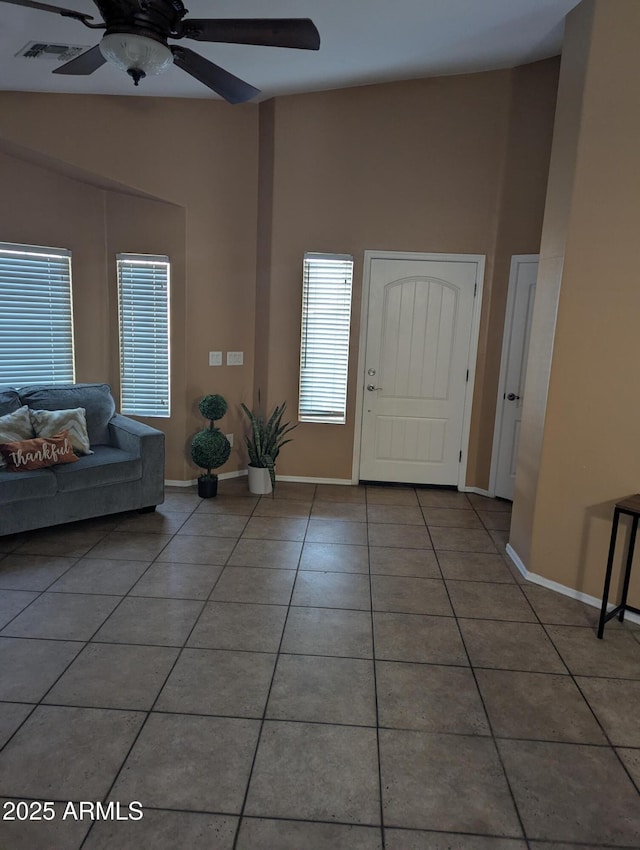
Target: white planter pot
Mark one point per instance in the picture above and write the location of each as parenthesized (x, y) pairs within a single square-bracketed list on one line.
[(259, 481)]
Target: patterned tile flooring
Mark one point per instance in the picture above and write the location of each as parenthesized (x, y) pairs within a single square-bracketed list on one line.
[(335, 668)]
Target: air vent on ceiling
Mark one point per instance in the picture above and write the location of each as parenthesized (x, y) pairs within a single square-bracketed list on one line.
[(57, 52)]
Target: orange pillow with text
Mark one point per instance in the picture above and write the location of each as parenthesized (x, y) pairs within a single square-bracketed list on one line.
[(38, 453)]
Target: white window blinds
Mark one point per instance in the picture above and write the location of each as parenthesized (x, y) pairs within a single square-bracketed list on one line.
[(324, 350), (143, 301), (36, 325)]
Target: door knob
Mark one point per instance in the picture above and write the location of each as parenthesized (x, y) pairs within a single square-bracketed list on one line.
[(371, 388), (513, 397)]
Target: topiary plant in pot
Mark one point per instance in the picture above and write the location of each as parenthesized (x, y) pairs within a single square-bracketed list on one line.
[(209, 447), (264, 444)]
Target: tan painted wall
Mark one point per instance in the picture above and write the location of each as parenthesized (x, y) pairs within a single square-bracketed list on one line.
[(556, 218), (141, 226), (589, 456), (264, 241), (40, 207), (444, 165), (521, 208), (456, 165), (201, 156)]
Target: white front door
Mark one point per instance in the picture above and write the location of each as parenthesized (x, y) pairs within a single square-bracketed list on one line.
[(515, 348), (419, 334)]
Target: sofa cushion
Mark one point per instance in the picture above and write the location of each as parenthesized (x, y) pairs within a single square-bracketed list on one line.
[(107, 465), (21, 486), (38, 453), (15, 426), (95, 398), (9, 400), (46, 423)]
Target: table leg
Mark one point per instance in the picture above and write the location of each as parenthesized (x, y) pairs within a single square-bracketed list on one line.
[(607, 580), (627, 573)]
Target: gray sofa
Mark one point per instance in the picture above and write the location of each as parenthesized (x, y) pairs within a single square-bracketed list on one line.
[(125, 471)]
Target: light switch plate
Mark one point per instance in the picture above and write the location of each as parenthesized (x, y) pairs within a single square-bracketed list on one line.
[(235, 358), (215, 358)]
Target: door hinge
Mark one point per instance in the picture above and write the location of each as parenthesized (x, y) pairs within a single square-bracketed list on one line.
[(475, 289), (467, 378), (460, 457)]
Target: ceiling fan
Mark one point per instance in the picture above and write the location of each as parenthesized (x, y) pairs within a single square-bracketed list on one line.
[(136, 34)]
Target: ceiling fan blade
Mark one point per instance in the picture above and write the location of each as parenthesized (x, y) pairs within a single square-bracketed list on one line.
[(231, 88), (268, 32), (45, 7), (84, 64)]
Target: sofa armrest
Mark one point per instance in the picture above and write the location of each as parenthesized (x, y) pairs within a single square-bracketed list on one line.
[(148, 444)]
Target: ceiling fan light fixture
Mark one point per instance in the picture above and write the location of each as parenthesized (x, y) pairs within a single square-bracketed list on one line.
[(136, 54), (137, 32)]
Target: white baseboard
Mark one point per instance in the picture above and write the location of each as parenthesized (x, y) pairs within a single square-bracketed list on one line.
[(303, 479), (511, 552), (534, 578), (478, 490), (299, 479), (223, 476)]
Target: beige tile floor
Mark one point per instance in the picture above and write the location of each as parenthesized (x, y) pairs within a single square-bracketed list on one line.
[(335, 668)]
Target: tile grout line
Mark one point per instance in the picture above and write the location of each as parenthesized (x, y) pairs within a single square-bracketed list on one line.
[(490, 725), (572, 676), (41, 593), (150, 710), (241, 814), (475, 680), (278, 654), (383, 838)]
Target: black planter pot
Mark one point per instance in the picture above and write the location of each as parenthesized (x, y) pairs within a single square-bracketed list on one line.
[(208, 487)]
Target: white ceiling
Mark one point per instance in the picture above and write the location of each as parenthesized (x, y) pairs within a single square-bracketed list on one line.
[(362, 41)]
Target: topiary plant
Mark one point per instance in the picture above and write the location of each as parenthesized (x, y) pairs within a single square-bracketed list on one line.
[(209, 447)]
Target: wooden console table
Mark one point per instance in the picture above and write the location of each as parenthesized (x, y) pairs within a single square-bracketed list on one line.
[(629, 507)]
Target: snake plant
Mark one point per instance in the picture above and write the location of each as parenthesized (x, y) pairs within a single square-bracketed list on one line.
[(267, 438)]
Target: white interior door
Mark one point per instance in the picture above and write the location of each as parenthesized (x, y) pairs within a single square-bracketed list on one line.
[(416, 367), (515, 349)]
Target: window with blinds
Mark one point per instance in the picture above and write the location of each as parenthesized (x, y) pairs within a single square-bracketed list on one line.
[(324, 349), (36, 323), (143, 304)]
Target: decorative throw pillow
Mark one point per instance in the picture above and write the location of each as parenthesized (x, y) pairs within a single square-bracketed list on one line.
[(46, 423), (38, 453), (15, 426)]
